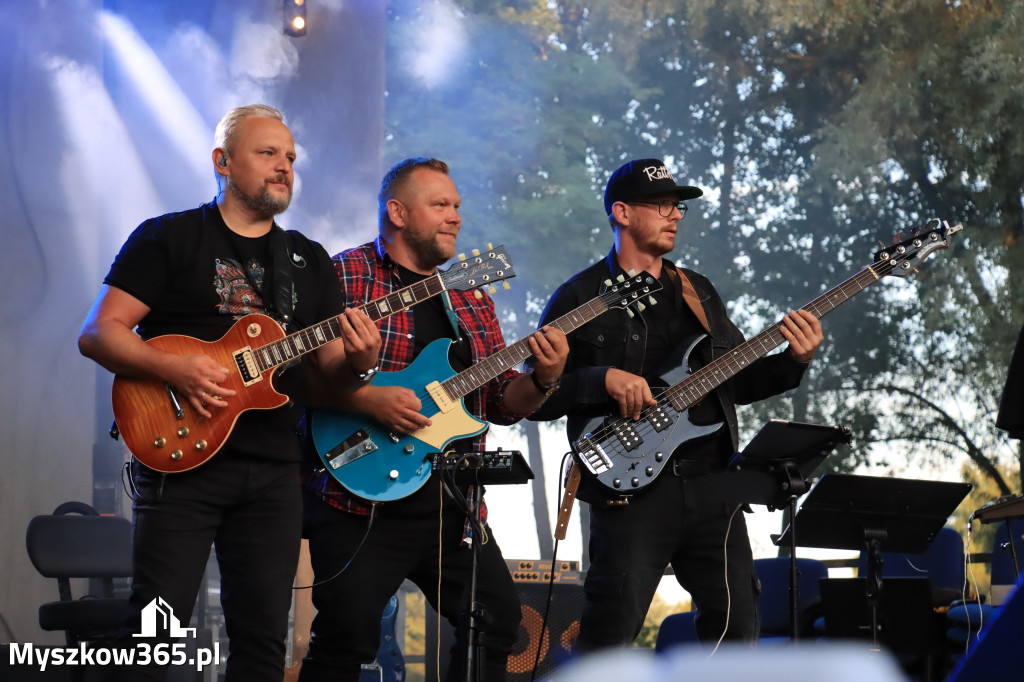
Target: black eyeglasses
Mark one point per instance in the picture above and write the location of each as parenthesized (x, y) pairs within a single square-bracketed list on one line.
[(665, 207)]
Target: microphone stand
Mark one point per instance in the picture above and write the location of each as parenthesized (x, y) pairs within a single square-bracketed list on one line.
[(477, 613)]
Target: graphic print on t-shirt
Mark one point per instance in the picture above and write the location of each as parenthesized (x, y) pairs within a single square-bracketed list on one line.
[(234, 289)]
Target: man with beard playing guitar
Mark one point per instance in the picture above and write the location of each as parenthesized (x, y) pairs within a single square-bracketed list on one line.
[(194, 273), (611, 364)]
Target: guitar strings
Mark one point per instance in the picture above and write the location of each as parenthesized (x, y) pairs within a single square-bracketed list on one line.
[(644, 427), (466, 377)]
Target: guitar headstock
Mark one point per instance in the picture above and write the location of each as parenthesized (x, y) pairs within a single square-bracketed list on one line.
[(480, 269), (903, 257), (627, 291)]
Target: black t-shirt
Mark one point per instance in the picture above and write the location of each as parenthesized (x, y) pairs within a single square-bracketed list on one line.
[(198, 277), (431, 322)]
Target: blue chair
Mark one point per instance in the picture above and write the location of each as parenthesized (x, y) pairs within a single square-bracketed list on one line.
[(774, 602), (942, 563), (677, 629)]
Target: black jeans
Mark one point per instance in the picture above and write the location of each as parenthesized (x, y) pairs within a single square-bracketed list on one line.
[(631, 546), (403, 543), (250, 510)]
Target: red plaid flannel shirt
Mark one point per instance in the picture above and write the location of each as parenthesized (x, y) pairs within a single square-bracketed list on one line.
[(367, 273)]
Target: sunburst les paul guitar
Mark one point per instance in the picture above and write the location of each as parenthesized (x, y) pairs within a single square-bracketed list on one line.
[(381, 465), (164, 432), (626, 455)]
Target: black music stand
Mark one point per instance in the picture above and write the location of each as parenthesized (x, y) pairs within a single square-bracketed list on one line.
[(481, 468), (773, 470), (874, 514)]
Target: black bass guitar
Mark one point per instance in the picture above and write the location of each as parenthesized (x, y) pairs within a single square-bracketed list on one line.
[(626, 455)]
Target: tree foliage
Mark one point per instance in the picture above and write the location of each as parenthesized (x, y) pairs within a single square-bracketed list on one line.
[(817, 128)]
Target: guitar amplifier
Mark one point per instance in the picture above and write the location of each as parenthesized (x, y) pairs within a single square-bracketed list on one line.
[(538, 571), (556, 644)]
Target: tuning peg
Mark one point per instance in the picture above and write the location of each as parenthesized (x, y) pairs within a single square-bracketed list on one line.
[(640, 306), (476, 252), (476, 292), (490, 246), (652, 300), (630, 312), (462, 256), (491, 289), (620, 278), (506, 285), (631, 272), (607, 282)]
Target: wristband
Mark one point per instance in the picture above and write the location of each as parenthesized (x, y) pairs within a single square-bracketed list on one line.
[(366, 375), (546, 389)]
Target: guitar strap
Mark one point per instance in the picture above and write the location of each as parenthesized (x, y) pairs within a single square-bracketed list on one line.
[(280, 299), (690, 296), (572, 484)]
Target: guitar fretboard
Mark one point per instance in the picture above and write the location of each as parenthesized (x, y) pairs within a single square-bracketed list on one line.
[(292, 346), (479, 374), (692, 390)]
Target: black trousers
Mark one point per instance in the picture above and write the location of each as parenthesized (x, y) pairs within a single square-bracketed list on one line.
[(631, 546), (250, 510), (402, 543)]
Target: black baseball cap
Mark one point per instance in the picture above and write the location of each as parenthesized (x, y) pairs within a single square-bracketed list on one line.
[(644, 178)]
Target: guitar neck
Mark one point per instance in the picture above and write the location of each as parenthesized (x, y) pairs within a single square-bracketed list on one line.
[(479, 374), (301, 342), (692, 390)]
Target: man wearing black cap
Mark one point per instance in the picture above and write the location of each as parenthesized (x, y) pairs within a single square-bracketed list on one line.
[(633, 538)]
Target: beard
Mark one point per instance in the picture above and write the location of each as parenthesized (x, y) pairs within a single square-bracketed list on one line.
[(264, 204), (428, 250)]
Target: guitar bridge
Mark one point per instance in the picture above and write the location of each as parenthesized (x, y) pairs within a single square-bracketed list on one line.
[(246, 364), (359, 444), (594, 457)]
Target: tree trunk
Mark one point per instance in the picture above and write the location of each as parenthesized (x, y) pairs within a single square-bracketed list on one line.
[(542, 519)]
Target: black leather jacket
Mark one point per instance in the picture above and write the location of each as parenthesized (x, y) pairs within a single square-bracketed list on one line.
[(615, 339)]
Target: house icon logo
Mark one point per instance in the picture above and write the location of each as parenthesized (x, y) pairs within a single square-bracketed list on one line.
[(158, 616)]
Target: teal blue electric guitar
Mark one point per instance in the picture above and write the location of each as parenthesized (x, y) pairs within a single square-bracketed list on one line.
[(381, 465)]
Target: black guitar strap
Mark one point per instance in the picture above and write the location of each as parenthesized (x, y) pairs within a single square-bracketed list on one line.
[(280, 293)]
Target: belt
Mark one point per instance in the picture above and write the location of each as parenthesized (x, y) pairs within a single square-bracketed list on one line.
[(690, 468)]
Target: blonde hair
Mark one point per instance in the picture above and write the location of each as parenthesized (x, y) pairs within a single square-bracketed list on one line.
[(225, 131)]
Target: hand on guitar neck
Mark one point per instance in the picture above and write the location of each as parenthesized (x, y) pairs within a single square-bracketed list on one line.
[(803, 331)]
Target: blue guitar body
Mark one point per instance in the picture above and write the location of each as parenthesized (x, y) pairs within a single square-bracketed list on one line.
[(380, 465)]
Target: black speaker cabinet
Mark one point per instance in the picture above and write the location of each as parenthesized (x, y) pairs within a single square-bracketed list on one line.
[(560, 635)]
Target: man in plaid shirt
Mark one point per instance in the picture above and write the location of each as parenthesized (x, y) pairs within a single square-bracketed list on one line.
[(422, 536)]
